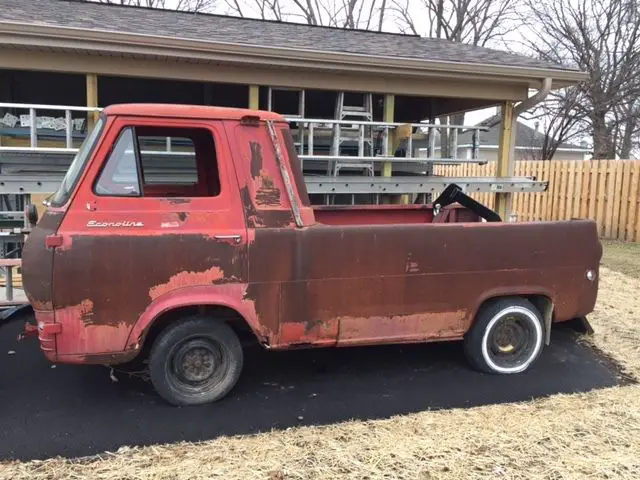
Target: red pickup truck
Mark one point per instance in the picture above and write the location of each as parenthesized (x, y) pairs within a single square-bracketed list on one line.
[(135, 259)]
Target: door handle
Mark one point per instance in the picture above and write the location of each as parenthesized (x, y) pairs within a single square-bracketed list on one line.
[(234, 238)]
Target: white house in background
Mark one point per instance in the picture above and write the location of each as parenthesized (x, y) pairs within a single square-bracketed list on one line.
[(528, 143)]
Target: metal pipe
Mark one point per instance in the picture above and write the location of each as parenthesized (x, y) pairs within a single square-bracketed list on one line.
[(38, 106), (432, 142), (336, 140), (541, 94), (386, 158), (68, 128), (368, 123), (454, 143), (33, 128), (525, 105), (476, 145), (301, 102), (385, 144), (9, 285)]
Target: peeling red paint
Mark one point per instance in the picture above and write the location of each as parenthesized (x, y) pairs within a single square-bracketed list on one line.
[(314, 333), (185, 279), (42, 306), (411, 266), (266, 192), (86, 311), (177, 201), (402, 328)]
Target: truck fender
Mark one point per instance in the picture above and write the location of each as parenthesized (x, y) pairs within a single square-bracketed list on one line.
[(231, 296), (546, 308)]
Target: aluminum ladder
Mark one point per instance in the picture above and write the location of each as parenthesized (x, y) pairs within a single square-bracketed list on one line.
[(363, 132)]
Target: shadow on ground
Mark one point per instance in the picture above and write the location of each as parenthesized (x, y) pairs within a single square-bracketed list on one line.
[(77, 410)]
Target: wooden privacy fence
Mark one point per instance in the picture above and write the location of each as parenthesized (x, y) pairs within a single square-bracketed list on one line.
[(603, 190)]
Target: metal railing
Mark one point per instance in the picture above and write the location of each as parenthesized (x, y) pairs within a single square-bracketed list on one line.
[(65, 123), (21, 172), (383, 131)]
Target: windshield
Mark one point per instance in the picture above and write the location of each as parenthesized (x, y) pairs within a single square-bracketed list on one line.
[(77, 166)]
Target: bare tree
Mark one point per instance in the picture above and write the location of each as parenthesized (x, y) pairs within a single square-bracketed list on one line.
[(559, 121), (477, 22), (362, 14), (601, 37), (182, 5), (626, 133)]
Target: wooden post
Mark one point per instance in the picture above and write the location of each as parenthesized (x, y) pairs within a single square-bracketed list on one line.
[(387, 167), (504, 166), (92, 99), (254, 97)]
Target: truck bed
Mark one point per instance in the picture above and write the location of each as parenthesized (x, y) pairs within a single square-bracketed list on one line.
[(390, 214)]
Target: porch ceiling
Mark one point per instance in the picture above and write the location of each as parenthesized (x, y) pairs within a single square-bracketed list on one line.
[(82, 58)]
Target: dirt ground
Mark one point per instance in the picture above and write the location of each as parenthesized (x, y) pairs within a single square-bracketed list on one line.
[(594, 435)]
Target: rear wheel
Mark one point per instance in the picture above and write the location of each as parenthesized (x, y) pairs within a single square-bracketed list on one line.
[(196, 361), (507, 337)]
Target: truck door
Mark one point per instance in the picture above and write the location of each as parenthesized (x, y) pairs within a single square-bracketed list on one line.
[(158, 210)]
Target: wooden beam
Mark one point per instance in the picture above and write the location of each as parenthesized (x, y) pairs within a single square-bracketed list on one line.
[(506, 148), (389, 115), (443, 85), (92, 99), (254, 97)]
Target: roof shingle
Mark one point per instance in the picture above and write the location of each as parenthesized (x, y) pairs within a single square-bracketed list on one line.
[(219, 28)]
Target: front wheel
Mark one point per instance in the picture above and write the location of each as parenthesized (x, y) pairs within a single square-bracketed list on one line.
[(196, 361), (506, 337)]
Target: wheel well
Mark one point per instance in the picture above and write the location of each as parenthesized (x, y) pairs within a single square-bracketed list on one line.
[(216, 312), (543, 303)]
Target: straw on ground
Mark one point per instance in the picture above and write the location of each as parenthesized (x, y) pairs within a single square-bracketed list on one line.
[(594, 435)]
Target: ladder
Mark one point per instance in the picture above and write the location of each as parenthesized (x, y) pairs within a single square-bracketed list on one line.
[(363, 134), (298, 133), (32, 169)]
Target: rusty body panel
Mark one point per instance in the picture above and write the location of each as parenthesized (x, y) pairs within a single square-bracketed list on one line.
[(38, 262), (347, 276), (379, 284)]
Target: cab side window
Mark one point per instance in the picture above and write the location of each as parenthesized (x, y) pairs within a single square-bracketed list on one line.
[(161, 162)]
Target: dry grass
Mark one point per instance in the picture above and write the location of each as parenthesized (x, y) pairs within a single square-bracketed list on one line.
[(594, 435), (622, 257)]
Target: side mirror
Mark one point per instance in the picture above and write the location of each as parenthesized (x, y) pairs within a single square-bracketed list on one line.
[(31, 214)]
